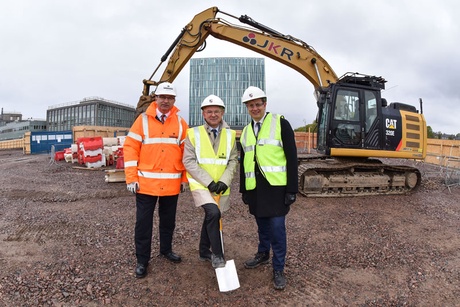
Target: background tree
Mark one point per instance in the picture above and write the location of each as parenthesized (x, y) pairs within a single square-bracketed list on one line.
[(305, 128), (430, 132)]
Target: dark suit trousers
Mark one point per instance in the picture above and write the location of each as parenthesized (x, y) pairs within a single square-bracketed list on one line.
[(210, 233), (272, 232), (145, 207)]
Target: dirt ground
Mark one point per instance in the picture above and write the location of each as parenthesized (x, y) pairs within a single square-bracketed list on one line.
[(66, 239)]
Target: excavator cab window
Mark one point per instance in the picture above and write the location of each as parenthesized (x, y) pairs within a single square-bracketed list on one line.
[(346, 126), (371, 112), (371, 120)]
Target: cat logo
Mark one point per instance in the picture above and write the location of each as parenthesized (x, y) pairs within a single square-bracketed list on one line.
[(391, 123)]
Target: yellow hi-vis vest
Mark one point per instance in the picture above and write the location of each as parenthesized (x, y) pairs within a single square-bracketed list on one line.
[(214, 163), (267, 149)]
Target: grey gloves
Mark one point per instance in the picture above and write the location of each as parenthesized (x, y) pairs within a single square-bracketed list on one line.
[(183, 187), (133, 187)]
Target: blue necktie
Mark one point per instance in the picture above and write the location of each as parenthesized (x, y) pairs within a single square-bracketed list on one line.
[(214, 131)]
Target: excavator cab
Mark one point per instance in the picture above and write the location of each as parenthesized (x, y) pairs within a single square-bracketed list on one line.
[(354, 121)]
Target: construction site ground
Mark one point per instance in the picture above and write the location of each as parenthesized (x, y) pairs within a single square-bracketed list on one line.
[(66, 239)]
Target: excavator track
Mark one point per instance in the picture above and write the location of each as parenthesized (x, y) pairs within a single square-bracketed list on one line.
[(342, 177)]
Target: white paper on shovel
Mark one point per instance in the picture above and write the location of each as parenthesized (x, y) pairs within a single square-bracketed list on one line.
[(227, 277)]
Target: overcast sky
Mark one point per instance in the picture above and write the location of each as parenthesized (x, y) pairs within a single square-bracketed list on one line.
[(57, 51)]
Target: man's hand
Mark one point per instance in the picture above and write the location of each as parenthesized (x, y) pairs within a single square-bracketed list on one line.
[(221, 187), (213, 187), (245, 199), (289, 198), (133, 187), (183, 187)]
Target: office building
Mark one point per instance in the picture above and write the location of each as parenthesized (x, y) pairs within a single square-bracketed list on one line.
[(226, 78), (16, 129), (91, 111)]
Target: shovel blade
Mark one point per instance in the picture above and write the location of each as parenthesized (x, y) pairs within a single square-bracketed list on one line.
[(227, 277)]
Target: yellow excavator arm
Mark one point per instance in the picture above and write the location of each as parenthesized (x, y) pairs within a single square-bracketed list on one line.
[(353, 139), (285, 49)]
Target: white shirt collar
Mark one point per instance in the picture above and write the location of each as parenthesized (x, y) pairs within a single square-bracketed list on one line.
[(159, 114)]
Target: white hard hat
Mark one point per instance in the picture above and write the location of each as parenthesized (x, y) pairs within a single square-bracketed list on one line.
[(252, 93), (165, 88), (212, 100)]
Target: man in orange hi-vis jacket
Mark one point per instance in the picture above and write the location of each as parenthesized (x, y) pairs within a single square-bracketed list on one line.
[(154, 172)]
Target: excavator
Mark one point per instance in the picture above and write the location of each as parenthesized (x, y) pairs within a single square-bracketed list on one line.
[(356, 128)]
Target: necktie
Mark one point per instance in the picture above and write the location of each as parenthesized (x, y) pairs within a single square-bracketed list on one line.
[(214, 131), (163, 118), (257, 128)]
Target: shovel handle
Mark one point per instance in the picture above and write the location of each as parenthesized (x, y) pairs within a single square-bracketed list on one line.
[(217, 199)]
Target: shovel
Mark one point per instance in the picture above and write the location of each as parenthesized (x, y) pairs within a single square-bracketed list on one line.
[(227, 276)]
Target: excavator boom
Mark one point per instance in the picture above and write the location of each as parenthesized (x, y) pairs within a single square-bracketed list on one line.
[(285, 49), (354, 122)]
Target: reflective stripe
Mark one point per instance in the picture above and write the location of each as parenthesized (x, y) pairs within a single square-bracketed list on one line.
[(243, 137), (145, 125), (180, 131), (270, 142), (149, 140), (191, 180), (213, 161), (274, 122), (196, 134), (249, 148), (130, 163), (160, 141), (152, 175), (250, 175), (273, 168), (135, 136)]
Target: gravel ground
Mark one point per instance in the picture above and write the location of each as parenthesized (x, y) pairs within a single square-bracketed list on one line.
[(66, 239)]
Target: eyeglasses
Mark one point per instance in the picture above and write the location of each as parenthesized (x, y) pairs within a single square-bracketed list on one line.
[(163, 97), (255, 105), (209, 112)]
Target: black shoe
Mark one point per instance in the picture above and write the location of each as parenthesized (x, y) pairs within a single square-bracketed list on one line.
[(172, 257), (141, 270), (279, 281), (217, 261), (259, 258), (205, 257)]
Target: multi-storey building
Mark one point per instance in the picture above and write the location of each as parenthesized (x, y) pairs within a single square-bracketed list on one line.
[(91, 111), (226, 78)]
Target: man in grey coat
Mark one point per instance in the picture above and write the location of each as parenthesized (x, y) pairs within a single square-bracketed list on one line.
[(210, 158)]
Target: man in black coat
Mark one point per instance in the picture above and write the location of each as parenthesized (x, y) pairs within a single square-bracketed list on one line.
[(268, 180)]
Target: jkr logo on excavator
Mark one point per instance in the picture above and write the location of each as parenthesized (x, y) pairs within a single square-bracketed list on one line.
[(270, 46)]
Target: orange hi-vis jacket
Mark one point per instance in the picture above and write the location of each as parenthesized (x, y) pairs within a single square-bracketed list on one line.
[(153, 153)]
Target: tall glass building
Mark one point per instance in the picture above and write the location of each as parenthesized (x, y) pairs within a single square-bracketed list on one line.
[(226, 78)]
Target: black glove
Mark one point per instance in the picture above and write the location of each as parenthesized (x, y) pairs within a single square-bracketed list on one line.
[(221, 187), (213, 187), (245, 199), (289, 198)]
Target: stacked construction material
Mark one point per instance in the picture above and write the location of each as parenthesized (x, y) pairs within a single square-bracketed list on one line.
[(110, 147), (90, 152), (68, 155)]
